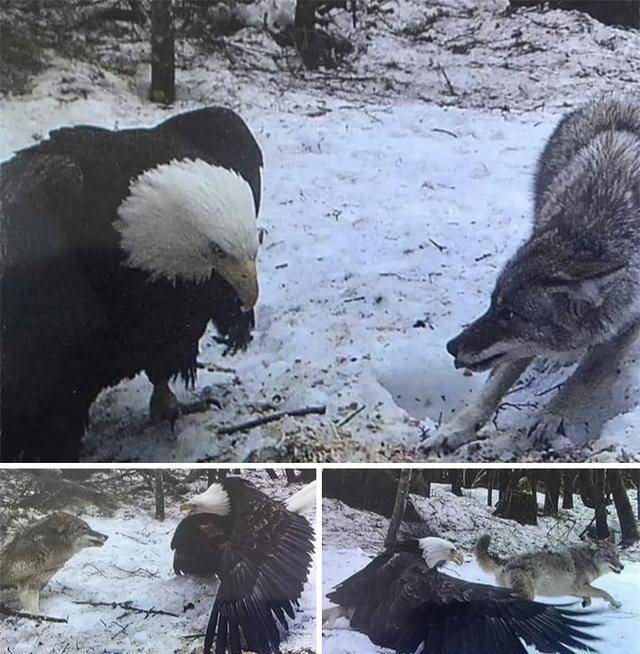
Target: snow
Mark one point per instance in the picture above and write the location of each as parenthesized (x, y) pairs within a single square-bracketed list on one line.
[(351, 538), (135, 565), (388, 215)]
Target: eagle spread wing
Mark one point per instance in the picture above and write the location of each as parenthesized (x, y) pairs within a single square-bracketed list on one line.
[(262, 573), (400, 603), (261, 553)]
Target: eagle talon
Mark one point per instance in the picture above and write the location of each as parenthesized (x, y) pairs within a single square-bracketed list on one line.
[(197, 407)]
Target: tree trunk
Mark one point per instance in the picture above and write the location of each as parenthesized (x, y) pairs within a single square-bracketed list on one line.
[(159, 487), (591, 485), (490, 488), (567, 489), (455, 477), (163, 70), (552, 481), (517, 502), (628, 526), (398, 508)]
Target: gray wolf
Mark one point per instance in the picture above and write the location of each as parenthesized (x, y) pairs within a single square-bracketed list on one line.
[(554, 574), (33, 556), (572, 291)]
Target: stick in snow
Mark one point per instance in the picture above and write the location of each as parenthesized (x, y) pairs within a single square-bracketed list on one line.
[(127, 606), (5, 610), (272, 417)]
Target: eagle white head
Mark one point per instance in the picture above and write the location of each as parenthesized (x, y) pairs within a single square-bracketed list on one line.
[(437, 552), (185, 218), (214, 500)]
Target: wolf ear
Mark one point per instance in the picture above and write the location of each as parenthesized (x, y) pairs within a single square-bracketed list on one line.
[(580, 279)]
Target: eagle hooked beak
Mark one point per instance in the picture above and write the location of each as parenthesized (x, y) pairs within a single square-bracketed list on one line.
[(243, 276), (186, 507), (457, 557)]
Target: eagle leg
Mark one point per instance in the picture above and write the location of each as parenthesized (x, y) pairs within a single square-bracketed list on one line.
[(163, 405)]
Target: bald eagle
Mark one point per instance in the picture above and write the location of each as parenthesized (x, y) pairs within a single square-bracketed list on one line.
[(400, 600), (118, 248), (261, 551)]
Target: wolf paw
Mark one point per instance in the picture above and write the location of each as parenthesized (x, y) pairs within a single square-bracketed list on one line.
[(616, 604), (586, 601), (448, 438)]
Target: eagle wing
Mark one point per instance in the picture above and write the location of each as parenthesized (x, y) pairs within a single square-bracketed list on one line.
[(198, 543), (262, 573), (403, 605)]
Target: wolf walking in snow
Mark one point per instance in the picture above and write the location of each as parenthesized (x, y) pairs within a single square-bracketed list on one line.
[(572, 290), (554, 574)]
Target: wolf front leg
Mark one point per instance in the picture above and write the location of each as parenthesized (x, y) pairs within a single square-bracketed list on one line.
[(464, 426), (29, 599), (587, 591), (592, 380)]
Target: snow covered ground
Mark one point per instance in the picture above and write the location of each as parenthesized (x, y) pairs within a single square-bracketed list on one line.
[(388, 219), (352, 537), (134, 565)]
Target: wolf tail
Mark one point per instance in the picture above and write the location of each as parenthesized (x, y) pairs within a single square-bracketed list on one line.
[(304, 500), (490, 563)]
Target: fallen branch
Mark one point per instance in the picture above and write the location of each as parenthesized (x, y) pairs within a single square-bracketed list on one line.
[(272, 417), (128, 606), (444, 131), (352, 415), (452, 91), (5, 610)]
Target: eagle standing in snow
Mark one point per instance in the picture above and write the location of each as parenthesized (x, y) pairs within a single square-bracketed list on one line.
[(33, 556), (261, 551), (401, 601), (118, 248)]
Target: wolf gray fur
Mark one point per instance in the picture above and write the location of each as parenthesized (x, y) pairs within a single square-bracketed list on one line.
[(572, 290), (33, 556), (554, 574)]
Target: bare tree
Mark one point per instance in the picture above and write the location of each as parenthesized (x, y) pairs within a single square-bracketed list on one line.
[(567, 488), (159, 488), (402, 493), (552, 482), (455, 477), (517, 501), (490, 478), (163, 68), (592, 486), (628, 526)]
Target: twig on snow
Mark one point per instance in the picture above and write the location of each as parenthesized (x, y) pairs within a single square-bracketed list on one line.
[(352, 415), (272, 417), (5, 610), (444, 131), (128, 606), (452, 91)]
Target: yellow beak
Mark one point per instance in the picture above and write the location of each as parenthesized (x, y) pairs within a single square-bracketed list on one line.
[(243, 276), (186, 507), (457, 557)]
